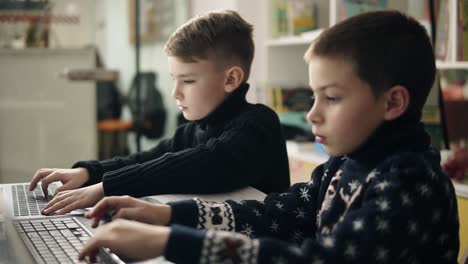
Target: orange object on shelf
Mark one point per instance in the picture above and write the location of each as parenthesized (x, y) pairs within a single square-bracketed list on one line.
[(112, 125)]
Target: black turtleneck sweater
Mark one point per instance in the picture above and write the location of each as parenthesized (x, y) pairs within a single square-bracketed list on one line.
[(387, 202), (237, 145)]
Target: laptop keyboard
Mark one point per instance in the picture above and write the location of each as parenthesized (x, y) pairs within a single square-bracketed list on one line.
[(57, 240), (29, 203)]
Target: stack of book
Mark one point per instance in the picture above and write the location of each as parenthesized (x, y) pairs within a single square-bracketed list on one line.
[(293, 17), (289, 98), (292, 103)]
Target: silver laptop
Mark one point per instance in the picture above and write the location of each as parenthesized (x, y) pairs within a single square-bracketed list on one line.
[(30, 239), (21, 203), (27, 236), (57, 239)]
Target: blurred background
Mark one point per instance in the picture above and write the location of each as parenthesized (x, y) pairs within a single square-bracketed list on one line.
[(85, 79), (89, 79)]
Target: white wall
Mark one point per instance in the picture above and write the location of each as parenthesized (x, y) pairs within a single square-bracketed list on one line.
[(71, 35), (250, 11), (203, 6)]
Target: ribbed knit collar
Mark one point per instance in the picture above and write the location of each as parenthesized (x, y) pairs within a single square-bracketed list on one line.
[(228, 108), (392, 136)]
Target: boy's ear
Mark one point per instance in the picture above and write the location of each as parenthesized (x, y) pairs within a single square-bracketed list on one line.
[(397, 100), (234, 77)]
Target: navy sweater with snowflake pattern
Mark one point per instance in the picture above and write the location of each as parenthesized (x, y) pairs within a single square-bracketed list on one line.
[(228, 149), (387, 202)]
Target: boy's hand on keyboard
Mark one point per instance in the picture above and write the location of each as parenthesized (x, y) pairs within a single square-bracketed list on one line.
[(70, 178), (130, 208), (67, 201), (128, 239)]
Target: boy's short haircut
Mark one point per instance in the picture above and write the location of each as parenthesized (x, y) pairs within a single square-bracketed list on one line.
[(221, 36), (387, 48)]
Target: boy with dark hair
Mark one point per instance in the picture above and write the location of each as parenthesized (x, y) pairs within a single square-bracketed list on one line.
[(228, 144), (382, 197)]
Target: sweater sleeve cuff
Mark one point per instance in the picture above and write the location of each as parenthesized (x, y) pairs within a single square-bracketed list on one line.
[(186, 240), (184, 213), (94, 170)]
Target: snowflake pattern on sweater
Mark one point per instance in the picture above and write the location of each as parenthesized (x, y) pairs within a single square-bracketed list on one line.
[(402, 209)]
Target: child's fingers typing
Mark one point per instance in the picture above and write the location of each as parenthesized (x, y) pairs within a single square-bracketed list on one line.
[(41, 173)]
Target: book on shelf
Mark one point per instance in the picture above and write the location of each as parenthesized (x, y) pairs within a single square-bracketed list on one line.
[(349, 8), (291, 103), (293, 17), (432, 122), (442, 45), (431, 114), (290, 98), (463, 30), (303, 14), (280, 18)]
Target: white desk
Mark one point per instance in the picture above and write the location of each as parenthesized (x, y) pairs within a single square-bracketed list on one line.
[(12, 249)]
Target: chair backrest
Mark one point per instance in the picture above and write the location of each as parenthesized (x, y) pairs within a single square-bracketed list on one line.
[(153, 121), (109, 101)]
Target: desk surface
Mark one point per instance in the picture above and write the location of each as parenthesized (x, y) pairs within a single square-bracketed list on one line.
[(12, 249)]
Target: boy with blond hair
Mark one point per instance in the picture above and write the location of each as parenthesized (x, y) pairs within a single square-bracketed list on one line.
[(228, 143)]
